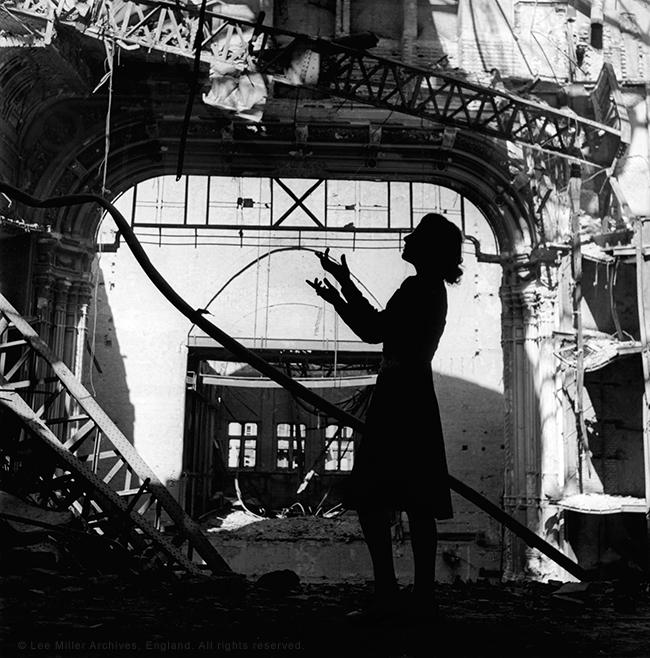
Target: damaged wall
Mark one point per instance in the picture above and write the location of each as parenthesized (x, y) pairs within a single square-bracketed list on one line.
[(614, 399), (142, 332), (550, 39)]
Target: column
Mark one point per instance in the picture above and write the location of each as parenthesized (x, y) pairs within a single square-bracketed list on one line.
[(533, 442), (57, 345), (84, 295), (61, 291)]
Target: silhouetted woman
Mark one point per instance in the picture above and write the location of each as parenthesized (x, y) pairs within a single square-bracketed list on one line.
[(401, 464)]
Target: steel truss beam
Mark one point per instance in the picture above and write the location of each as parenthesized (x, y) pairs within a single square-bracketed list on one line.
[(356, 75), (361, 76), (90, 466)]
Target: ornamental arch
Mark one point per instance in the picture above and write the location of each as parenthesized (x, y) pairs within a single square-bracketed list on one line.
[(58, 147)]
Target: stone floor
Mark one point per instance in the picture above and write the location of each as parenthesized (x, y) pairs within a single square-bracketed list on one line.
[(46, 613)]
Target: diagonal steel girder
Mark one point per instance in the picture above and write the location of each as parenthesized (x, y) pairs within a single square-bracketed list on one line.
[(197, 317)]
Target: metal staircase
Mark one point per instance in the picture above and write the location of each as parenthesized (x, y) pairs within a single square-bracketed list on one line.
[(70, 455)]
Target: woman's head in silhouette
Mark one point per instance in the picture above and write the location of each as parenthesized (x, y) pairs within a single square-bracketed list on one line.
[(435, 247)]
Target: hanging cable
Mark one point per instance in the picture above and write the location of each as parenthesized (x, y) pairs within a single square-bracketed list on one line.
[(93, 340), (268, 273), (109, 63), (555, 45), (107, 141), (516, 38), (267, 255), (194, 86), (359, 408), (548, 61), (612, 301), (239, 351), (257, 274)]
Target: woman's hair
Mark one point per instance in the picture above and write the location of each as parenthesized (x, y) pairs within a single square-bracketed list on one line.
[(444, 243)]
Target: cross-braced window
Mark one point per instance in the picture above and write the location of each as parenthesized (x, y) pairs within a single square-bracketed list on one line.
[(340, 452), (242, 445), (290, 445)]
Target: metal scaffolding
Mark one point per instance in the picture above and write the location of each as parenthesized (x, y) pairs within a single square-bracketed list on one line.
[(90, 467)]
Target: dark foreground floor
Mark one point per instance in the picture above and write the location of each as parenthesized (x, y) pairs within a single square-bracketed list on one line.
[(48, 614)]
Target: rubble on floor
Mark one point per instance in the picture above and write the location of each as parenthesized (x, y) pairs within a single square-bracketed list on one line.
[(291, 528), (70, 614), (93, 606)]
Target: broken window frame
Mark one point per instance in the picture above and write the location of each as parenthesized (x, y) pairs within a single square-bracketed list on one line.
[(335, 437), (295, 446), (242, 442)]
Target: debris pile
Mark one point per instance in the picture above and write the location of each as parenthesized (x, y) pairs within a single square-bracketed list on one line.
[(67, 613), (296, 528)]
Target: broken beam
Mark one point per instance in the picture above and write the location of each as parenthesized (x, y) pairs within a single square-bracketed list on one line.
[(265, 368)]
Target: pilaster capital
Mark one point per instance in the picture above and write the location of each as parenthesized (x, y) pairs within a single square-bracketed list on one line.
[(82, 291), (62, 288), (528, 309), (43, 285), (62, 285)]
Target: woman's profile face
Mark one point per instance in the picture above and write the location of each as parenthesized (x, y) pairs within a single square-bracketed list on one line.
[(406, 249), (412, 247), (434, 245)]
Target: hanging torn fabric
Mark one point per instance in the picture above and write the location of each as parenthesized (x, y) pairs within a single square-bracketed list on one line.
[(245, 92), (236, 86), (241, 92)]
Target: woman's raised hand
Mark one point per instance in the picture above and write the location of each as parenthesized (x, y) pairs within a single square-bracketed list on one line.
[(325, 290), (340, 272)]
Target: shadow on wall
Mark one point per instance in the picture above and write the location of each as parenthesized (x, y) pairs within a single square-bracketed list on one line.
[(105, 372), (616, 429), (473, 420), (332, 549)]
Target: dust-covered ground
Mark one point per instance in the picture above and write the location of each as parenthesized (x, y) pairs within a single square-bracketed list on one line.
[(45, 613)]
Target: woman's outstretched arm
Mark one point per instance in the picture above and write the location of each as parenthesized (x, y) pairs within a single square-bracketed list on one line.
[(355, 310), (363, 318)]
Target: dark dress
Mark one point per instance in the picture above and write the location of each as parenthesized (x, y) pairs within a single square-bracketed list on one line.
[(401, 461)]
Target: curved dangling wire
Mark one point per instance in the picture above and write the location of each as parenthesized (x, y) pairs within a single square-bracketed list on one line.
[(265, 368)]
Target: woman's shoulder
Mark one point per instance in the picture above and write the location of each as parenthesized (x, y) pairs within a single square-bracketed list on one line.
[(416, 290), (423, 285)]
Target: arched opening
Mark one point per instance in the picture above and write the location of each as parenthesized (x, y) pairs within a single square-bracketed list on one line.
[(145, 144), (241, 248), (478, 168), (475, 168), (56, 134)]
